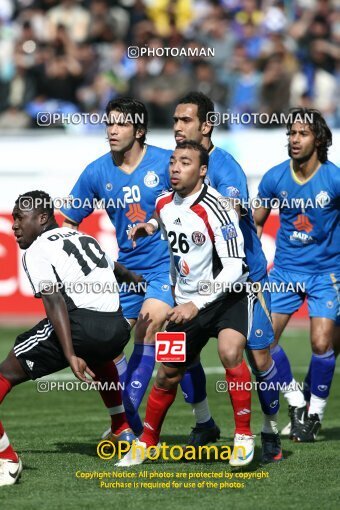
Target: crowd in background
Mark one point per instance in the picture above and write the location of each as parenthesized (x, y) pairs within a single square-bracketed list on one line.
[(71, 56)]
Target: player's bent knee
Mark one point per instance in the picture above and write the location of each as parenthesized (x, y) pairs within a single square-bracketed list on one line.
[(146, 333), (168, 377), (260, 360), (321, 347), (275, 343), (231, 358), (11, 369)]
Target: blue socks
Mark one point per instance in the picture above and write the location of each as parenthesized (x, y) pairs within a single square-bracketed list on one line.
[(268, 391), (193, 384), (121, 366), (282, 365), (194, 391), (322, 368), (138, 375)]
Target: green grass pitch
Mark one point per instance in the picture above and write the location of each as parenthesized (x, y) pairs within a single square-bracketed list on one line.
[(56, 435)]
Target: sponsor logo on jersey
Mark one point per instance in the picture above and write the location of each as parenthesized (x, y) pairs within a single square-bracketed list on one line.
[(232, 192), (151, 180), (258, 333), (284, 194), (302, 223), (181, 265), (274, 404), (198, 238), (322, 199), (302, 237), (165, 287), (135, 213), (108, 186), (330, 304), (229, 231), (178, 221)]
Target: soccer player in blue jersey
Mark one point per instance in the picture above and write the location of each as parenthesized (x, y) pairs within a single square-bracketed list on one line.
[(129, 178), (191, 122), (307, 252)]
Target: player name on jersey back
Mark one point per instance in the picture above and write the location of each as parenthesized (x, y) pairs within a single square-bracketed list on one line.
[(65, 259)]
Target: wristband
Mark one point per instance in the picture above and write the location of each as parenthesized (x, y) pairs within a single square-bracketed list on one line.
[(154, 223)]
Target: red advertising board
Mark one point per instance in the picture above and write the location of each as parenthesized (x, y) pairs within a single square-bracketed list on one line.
[(16, 297)]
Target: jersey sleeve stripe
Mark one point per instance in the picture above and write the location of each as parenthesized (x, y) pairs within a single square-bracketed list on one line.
[(213, 206), (214, 201), (202, 213), (224, 219)]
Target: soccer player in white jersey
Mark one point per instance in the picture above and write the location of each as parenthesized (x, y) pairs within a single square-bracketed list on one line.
[(192, 122), (84, 329), (207, 254)]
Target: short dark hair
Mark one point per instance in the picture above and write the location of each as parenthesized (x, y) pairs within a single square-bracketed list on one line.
[(190, 144), (318, 125), (133, 108), (204, 105), (36, 200)]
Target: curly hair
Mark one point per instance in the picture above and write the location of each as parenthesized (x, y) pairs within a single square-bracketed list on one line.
[(317, 125)]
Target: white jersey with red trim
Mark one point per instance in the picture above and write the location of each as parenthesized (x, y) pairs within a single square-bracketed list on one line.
[(75, 264), (206, 245)]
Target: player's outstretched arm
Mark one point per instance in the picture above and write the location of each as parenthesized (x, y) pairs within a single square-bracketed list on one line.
[(144, 229), (260, 216), (123, 274), (57, 314)]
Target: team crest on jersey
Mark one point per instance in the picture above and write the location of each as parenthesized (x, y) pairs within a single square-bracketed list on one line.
[(182, 266), (108, 186), (232, 192), (322, 199), (198, 238), (151, 180), (229, 231)]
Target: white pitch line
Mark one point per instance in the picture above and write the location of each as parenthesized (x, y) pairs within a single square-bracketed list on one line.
[(207, 370)]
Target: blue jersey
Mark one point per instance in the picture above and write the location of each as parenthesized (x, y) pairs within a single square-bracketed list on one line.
[(308, 240), (129, 199), (227, 177)]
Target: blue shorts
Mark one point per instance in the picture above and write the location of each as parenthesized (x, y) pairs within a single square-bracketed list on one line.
[(321, 290), (261, 334), (158, 288)]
